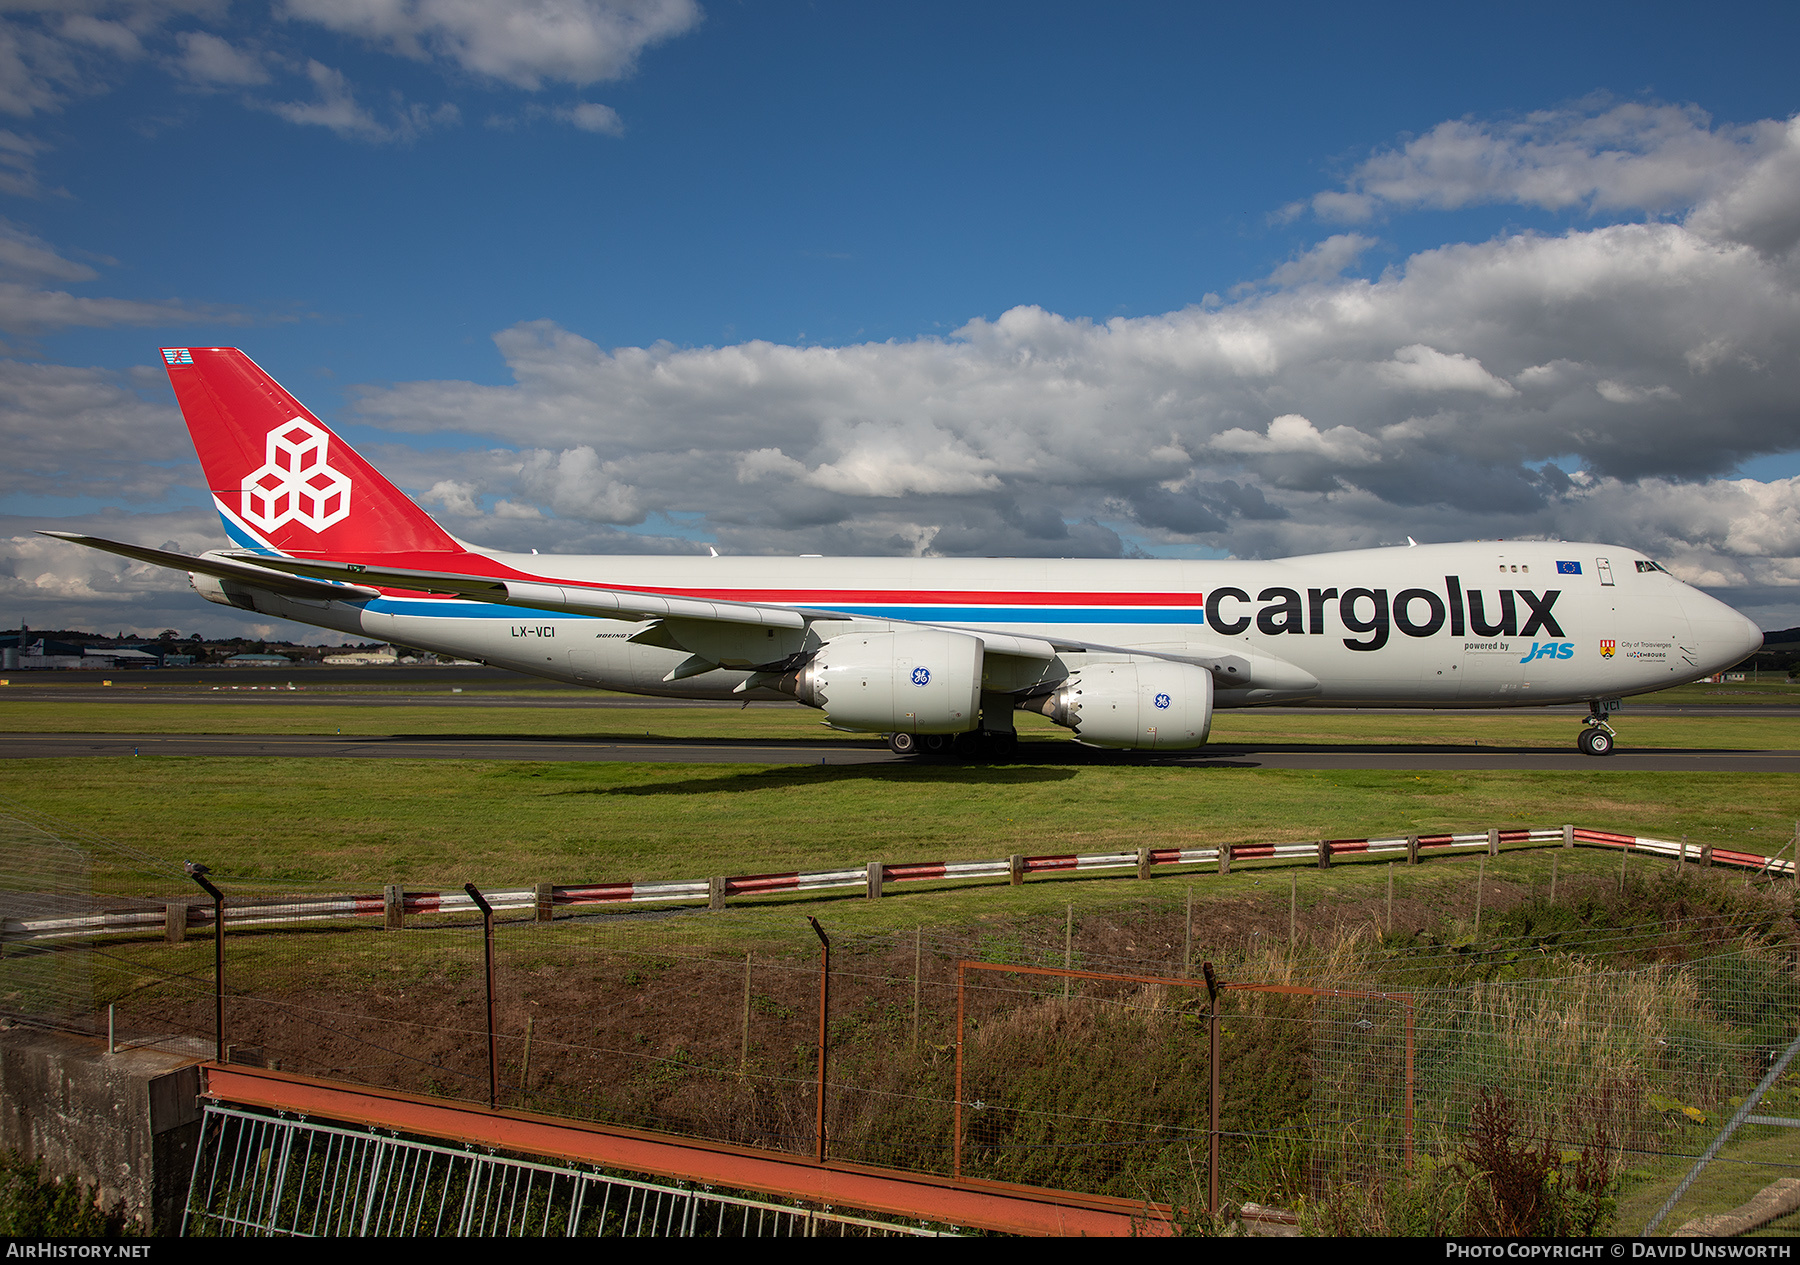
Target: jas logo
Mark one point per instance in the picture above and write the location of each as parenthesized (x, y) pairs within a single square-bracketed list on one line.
[(295, 483), (1550, 650)]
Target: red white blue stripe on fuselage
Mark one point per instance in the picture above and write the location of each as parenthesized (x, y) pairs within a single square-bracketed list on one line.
[(963, 607), (457, 608)]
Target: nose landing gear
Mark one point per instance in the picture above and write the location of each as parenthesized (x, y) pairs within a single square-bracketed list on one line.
[(1597, 736)]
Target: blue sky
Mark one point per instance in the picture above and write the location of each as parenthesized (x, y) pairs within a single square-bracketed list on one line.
[(1014, 278)]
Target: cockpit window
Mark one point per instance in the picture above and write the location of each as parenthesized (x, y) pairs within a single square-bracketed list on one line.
[(1644, 564)]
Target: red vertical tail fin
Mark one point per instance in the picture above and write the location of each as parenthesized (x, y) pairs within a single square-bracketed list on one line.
[(280, 478)]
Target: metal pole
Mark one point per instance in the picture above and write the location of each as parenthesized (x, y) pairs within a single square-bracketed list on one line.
[(956, 1124), (1409, 1082), (824, 1012), (918, 959), (487, 943), (1480, 875), (1068, 953), (1212, 1046), (198, 873), (744, 1058), (1187, 942)]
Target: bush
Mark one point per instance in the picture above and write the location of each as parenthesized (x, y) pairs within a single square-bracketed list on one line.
[(1498, 1184), (35, 1205)]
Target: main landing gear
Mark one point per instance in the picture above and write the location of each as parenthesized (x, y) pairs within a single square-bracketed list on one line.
[(1597, 736), (974, 745)]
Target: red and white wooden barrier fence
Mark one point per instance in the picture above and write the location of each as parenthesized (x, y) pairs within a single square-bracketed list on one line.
[(394, 905)]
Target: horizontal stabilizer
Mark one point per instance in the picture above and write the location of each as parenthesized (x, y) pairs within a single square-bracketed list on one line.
[(223, 568)]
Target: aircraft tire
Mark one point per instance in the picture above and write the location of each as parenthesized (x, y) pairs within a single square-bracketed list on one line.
[(1595, 742), (973, 745), (903, 744), (999, 746), (936, 744)]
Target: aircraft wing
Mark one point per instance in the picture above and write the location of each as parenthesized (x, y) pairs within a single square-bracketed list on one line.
[(598, 600)]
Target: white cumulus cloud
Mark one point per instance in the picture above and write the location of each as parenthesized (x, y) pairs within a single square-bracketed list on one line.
[(520, 43)]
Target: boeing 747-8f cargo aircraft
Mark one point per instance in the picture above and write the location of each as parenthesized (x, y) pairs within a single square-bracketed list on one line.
[(934, 652)]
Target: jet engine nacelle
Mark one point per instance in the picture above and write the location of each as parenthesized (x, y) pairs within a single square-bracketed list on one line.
[(1158, 706), (923, 682)]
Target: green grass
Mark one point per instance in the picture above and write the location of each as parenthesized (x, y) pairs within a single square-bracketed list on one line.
[(434, 823), (280, 715)]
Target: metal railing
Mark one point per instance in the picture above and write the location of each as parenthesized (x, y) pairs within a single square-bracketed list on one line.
[(173, 919), (263, 1175)]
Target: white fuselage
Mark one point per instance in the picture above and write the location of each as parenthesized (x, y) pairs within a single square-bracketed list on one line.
[(1463, 625)]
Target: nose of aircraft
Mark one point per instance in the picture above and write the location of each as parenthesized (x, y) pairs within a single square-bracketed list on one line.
[(1723, 637)]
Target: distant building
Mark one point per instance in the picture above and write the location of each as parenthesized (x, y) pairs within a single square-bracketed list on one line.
[(373, 656), (259, 661), (124, 656)]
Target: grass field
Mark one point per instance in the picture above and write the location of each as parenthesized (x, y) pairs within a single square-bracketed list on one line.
[(436, 823), (280, 714)]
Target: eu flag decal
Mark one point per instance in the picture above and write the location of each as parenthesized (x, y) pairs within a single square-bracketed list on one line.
[(1568, 568)]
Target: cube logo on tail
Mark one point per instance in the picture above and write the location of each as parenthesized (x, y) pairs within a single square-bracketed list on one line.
[(281, 479), (295, 483)]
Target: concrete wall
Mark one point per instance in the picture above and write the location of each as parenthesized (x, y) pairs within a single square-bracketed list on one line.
[(126, 1123)]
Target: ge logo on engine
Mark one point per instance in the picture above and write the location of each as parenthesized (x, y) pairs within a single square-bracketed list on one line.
[(296, 483), (921, 676), (1162, 701)]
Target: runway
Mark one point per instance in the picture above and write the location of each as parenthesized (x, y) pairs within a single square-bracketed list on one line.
[(481, 687), (1391, 756), (476, 689)]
